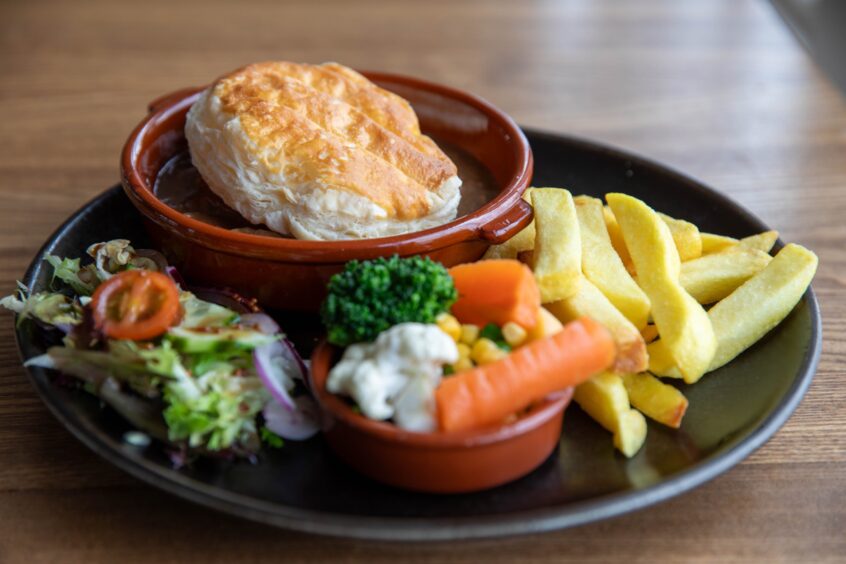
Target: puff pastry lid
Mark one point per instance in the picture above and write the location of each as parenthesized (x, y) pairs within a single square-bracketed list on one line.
[(319, 152)]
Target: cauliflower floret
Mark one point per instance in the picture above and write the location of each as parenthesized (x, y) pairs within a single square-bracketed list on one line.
[(396, 376)]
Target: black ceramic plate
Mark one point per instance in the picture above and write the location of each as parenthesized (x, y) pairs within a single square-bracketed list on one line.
[(303, 486)]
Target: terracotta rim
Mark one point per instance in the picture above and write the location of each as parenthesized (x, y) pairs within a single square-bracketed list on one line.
[(538, 414), (501, 213)]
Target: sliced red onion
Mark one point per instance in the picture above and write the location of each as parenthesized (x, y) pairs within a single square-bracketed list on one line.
[(268, 325), (297, 424), (276, 368), (175, 276), (156, 257), (302, 373), (226, 298), (262, 322)]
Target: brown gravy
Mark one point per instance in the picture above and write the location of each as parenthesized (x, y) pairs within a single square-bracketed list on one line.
[(180, 186)]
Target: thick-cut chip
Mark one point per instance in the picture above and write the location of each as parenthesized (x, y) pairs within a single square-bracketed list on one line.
[(557, 258), (718, 243), (712, 243), (602, 265), (655, 399), (588, 301), (616, 237), (711, 278), (761, 242), (546, 326), (682, 323), (685, 237), (522, 241), (605, 399), (751, 311), (650, 333), (661, 361)]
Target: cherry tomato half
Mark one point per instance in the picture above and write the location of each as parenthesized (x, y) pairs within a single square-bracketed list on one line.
[(136, 304)]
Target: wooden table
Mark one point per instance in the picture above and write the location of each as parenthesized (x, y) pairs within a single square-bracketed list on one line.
[(718, 89)]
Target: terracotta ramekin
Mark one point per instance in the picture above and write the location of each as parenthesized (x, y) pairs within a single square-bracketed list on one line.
[(292, 274), (436, 462)]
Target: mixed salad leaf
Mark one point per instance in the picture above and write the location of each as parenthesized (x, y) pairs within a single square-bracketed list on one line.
[(205, 384)]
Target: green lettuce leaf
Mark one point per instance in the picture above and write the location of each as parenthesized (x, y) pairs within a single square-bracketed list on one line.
[(68, 271), (48, 307)]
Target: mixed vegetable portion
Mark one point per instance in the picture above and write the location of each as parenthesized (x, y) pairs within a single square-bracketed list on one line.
[(203, 376), (476, 359)]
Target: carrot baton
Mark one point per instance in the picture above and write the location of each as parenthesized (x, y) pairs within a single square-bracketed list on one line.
[(489, 393), (495, 291)]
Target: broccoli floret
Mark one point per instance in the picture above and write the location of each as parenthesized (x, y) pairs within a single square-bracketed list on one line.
[(371, 296)]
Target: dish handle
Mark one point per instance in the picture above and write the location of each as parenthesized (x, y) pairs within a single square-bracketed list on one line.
[(167, 99), (508, 225)]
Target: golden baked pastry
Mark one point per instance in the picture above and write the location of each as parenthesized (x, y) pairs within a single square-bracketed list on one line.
[(319, 152)]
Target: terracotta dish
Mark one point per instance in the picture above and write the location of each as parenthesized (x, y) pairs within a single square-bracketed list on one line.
[(292, 274), (436, 462)]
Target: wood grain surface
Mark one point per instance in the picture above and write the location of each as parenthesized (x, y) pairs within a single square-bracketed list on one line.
[(718, 89)]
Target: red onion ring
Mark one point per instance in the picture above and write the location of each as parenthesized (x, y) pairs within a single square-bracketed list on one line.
[(155, 256), (175, 276), (275, 366), (226, 298), (262, 322), (298, 424)]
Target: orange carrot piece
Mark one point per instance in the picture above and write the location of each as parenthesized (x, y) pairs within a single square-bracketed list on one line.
[(496, 291), (489, 393)]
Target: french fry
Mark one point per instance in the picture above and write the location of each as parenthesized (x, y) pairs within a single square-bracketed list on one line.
[(605, 399), (616, 237), (557, 257), (522, 241), (718, 243), (649, 333), (751, 311), (712, 243), (603, 266), (761, 242), (589, 301), (546, 326), (661, 362), (711, 278), (683, 325), (685, 237), (655, 399)]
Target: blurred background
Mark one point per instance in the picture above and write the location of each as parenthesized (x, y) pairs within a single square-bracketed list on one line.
[(819, 25)]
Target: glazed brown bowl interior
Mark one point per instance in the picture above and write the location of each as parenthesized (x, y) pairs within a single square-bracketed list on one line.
[(436, 462)]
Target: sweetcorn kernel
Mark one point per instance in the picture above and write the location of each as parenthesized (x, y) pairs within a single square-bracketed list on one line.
[(463, 364), (449, 325), (514, 334), (469, 333), (485, 351), (463, 351)]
